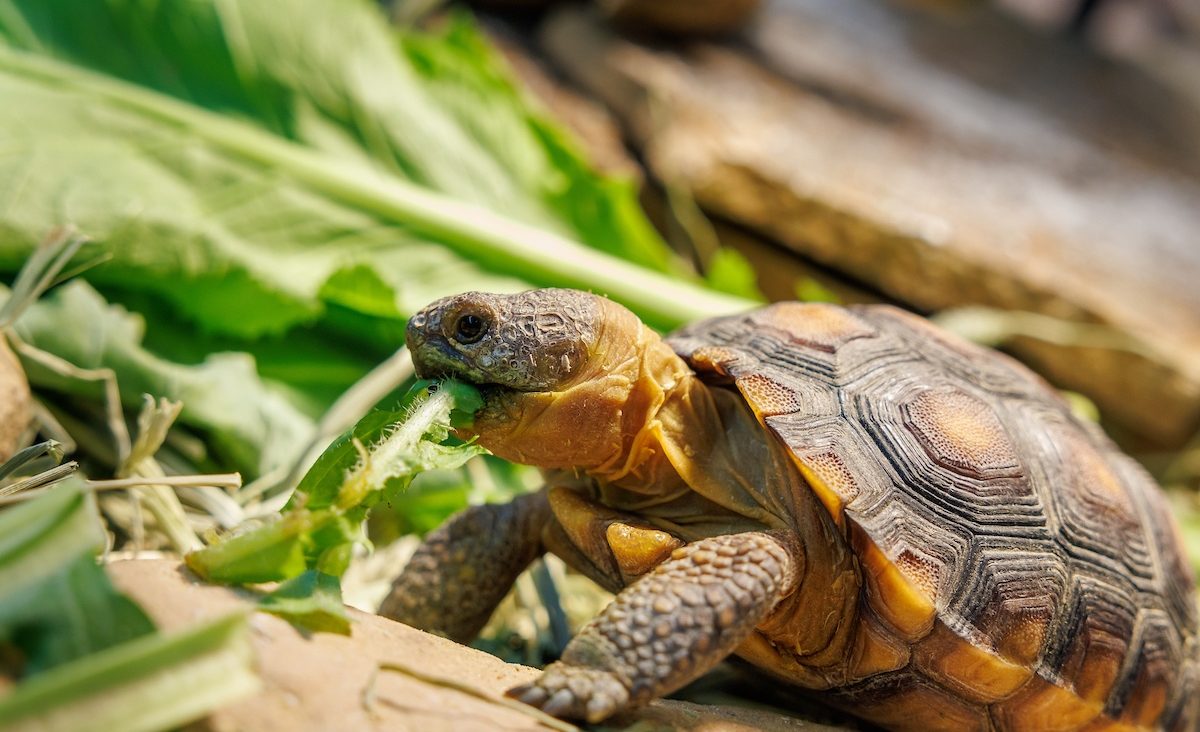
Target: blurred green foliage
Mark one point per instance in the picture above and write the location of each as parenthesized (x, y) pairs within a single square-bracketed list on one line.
[(84, 650), (291, 191)]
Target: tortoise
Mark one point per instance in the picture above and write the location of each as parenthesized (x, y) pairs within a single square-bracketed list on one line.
[(850, 499)]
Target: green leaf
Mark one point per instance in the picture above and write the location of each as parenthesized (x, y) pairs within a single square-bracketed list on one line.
[(40, 537), (69, 615), (235, 165), (251, 425), (320, 485), (153, 683), (325, 515), (410, 435), (275, 551), (56, 603), (435, 495), (313, 600), (729, 271), (469, 79)]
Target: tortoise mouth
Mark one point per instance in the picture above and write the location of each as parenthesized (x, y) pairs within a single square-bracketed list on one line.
[(431, 362), (433, 359)]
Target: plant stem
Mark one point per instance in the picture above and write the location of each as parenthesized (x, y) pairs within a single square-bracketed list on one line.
[(498, 242)]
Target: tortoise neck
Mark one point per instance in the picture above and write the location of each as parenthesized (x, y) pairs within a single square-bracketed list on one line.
[(661, 392), (605, 422), (704, 441)]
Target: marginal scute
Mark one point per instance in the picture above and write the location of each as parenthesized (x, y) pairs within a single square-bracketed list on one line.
[(1096, 641), (1024, 633), (768, 396), (1044, 706), (830, 479), (1151, 675), (876, 651), (920, 707), (908, 609), (817, 325), (714, 359), (1014, 602), (961, 664), (961, 433), (921, 571)]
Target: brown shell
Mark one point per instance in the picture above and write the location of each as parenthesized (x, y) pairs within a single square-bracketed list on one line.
[(1032, 570)]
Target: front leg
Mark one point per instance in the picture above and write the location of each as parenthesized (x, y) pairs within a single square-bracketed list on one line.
[(667, 628), (465, 567)]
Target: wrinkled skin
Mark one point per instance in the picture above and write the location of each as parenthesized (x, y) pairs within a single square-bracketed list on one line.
[(636, 450)]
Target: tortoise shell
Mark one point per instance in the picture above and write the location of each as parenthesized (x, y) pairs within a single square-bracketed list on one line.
[(1021, 572)]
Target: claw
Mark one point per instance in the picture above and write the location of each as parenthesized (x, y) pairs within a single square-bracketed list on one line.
[(599, 708), (530, 694), (559, 704), (574, 692)]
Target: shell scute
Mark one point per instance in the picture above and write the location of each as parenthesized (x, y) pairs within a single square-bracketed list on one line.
[(906, 700), (817, 325), (1045, 707), (960, 432), (1034, 570), (1092, 640), (770, 396), (972, 669)]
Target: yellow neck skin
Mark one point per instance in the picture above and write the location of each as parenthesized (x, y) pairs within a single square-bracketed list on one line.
[(596, 422)]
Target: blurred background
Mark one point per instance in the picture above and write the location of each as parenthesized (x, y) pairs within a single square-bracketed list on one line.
[(248, 198)]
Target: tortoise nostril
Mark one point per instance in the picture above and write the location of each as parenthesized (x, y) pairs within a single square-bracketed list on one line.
[(414, 334)]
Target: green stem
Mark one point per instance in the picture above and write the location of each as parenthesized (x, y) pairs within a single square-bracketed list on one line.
[(498, 242)]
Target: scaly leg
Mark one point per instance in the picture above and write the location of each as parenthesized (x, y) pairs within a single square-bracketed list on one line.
[(466, 566), (667, 628)]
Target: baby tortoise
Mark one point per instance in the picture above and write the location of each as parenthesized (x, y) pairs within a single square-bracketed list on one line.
[(849, 498)]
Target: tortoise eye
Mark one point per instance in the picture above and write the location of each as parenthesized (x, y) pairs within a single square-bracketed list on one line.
[(470, 328)]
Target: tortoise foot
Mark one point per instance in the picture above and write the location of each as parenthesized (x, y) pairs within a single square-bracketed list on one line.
[(575, 693), (676, 622)]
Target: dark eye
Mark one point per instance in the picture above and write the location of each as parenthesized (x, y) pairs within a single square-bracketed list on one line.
[(469, 328)]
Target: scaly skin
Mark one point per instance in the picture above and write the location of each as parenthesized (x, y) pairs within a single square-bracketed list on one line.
[(577, 383), (664, 630), (464, 568)]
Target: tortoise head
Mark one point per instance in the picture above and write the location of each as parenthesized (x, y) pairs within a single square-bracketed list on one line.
[(564, 373), (533, 341)]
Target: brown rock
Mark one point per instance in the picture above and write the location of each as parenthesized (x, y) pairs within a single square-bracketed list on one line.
[(681, 16), (946, 163), (324, 682), (15, 402)]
